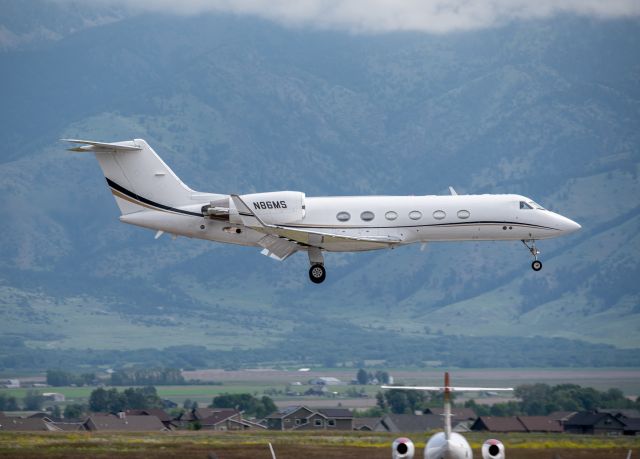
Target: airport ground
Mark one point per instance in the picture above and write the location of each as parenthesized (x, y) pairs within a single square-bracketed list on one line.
[(287, 445)]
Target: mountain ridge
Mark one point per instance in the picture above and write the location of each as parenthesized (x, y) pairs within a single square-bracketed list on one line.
[(241, 105)]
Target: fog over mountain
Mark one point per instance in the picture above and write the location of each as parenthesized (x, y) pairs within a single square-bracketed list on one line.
[(238, 100)]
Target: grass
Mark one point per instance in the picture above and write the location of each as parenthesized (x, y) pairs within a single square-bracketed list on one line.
[(287, 444)]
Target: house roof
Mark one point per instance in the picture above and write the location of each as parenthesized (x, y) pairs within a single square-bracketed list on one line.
[(16, 424), (70, 426), (561, 415), (128, 423), (411, 422), (335, 412), (157, 412), (219, 416), (203, 413), (632, 424), (360, 423), (540, 424), (625, 413), (283, 413), (498, 424), (589, 418)]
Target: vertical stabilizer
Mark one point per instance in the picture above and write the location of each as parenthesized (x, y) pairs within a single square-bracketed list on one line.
[(137, 176), (447, 406)]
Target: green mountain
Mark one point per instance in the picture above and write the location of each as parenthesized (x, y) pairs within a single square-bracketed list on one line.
[(548, 109)]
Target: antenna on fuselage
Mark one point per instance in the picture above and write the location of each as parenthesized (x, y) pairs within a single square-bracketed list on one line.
[(452, 191)]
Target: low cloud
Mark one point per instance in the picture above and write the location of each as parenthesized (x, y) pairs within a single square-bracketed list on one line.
[(371, 16)]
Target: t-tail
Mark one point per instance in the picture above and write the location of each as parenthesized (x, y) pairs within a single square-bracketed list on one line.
[(449, 443), (137, 176)]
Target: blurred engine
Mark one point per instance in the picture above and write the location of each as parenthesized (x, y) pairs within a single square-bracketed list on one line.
[(493, 449), (402, 448)]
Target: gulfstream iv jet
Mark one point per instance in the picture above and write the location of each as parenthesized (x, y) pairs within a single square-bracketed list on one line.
[(447, 444), (282, 223)]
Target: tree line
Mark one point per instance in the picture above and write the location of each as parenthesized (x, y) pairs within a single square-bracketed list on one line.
[(533, 400)]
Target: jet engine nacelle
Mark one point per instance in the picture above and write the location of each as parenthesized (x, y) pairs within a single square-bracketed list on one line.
[(277, 207), (493, 449), (402, 448)]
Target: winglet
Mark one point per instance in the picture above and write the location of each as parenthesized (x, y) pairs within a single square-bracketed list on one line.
[(248, 217)]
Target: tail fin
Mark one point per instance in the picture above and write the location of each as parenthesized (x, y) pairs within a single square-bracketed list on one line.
[(138, 178)]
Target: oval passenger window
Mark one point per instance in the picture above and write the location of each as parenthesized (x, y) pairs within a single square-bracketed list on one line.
[(415, 215), (343, 216), (463, 214), (367, 216), (439, 214), (391, 215)]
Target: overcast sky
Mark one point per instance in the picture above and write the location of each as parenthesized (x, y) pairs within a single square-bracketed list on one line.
[(435, 16)]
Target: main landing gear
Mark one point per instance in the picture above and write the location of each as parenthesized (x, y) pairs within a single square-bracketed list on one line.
[(530, 244), (317, 273)]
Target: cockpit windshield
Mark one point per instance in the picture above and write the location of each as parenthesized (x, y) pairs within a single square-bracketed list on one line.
[(530, 205)]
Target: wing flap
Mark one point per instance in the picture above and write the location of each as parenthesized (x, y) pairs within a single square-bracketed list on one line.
[(277, 248)]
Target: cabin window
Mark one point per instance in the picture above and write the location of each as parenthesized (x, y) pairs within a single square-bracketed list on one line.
[(463, 214), (318, 422), (343, 216), (367, 216), (439, 214), (391, 215), (331, 422), (297, 422), (524, 205), (415, 215)]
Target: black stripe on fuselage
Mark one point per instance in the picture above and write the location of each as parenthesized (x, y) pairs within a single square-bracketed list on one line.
[(148, 202), (488, 223)]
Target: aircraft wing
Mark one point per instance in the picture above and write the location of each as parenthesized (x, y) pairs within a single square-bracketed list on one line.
[(301, 235)]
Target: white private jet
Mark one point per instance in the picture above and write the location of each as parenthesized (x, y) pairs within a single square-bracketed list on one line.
[(150, 195), (447, 444)]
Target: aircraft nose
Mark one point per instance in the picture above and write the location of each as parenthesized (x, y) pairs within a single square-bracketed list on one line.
[(567, 225)]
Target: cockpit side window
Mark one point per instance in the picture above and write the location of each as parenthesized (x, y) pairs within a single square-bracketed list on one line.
[(536, 205), (524, 205)]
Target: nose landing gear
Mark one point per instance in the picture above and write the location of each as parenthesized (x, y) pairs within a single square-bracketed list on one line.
[(530, 244)]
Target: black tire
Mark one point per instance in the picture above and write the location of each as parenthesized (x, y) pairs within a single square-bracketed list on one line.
[(536, 265), (317, 274)]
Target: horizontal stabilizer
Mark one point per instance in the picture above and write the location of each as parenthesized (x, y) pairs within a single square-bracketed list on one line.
[(450, 389), (92, 146)]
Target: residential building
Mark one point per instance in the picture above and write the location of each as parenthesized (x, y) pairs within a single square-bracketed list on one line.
[(589, 422), (303, 418), (409, 423)]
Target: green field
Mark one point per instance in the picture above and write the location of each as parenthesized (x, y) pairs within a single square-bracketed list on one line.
[(274, 383), (228, 445)]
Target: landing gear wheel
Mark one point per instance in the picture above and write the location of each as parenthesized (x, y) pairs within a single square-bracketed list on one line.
[(536, 265), (317, 274)]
